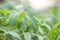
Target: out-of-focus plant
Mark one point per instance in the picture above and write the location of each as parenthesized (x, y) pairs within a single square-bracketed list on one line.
[(28, 24)]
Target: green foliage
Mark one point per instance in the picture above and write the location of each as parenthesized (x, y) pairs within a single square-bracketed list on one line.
[(54, 10), (26, 24), (5, 12)]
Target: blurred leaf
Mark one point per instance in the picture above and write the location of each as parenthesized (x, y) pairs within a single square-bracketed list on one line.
[(22, 15), (54, 10), (6, 12)]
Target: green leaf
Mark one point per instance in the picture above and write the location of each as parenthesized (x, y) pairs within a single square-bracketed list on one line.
[(53, 34), (5, 12), (54, 10), (22, 15), (18, 19)]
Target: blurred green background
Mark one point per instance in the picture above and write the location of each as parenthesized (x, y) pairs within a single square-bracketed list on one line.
[(19, 21)]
